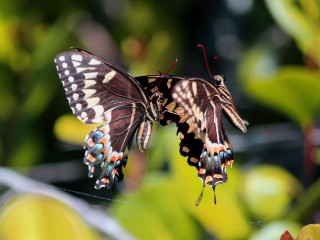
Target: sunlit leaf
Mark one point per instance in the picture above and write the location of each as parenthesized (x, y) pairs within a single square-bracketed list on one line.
[(69, 129), (160, 147), (268, 191), (311, 231), (38, 217), (219, 219), (291, 90), (154, 212)]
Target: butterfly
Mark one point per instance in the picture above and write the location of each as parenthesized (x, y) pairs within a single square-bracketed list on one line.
[(99, 91), (205, 102)]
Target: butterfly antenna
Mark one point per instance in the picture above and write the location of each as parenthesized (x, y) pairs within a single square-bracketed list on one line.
[(201, 194), (216, 58), (167, 72), (205, 58)]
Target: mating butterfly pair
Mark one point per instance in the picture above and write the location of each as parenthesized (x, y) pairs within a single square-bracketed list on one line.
[(99, 91)]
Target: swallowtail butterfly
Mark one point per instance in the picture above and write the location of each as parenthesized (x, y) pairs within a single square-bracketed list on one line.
[(204, 102), (99, 91)]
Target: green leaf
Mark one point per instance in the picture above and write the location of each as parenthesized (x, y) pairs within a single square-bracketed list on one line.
[(154, 212), (28, 152), (306, 203), (300, 23), (216, 219), (268, 190), (291, 90)]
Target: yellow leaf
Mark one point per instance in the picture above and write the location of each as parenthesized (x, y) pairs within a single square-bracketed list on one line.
[(30, 216)]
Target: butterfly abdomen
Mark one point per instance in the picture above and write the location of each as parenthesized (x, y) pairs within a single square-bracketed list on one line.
[(143, 135)]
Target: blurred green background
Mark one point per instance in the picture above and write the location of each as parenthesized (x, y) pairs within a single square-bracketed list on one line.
[(270, 52)]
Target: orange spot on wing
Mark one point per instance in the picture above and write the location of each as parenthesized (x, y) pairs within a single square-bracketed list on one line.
[(114, 156), (217, 176), (104, 180), (202, 171), (90, 158), (214, 147), (103, 129), (104, 140), (90, 142), (104, 149), (208, 179), (221, 148)]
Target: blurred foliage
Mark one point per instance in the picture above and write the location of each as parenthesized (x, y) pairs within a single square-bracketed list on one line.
[(311, 231), (263, 185), (39, 217), (273, 46)]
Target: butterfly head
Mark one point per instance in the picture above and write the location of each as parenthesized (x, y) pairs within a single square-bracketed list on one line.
[(155, 107), (218, 80)]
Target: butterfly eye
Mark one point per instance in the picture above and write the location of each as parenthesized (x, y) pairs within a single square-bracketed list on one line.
[(157, 97), (217, 80)]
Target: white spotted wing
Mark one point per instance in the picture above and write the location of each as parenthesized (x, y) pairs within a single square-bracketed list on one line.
[(93, 85)]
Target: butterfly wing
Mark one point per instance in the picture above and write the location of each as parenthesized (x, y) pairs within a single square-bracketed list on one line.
[(194, 95), (228, 108), (93, 85), (200, 100), (109, 144), (99, 91), (191, 143)]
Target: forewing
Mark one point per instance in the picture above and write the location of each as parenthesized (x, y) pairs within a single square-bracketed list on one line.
[(191, 143), (229, 109), (194, 96), (93, 86)]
